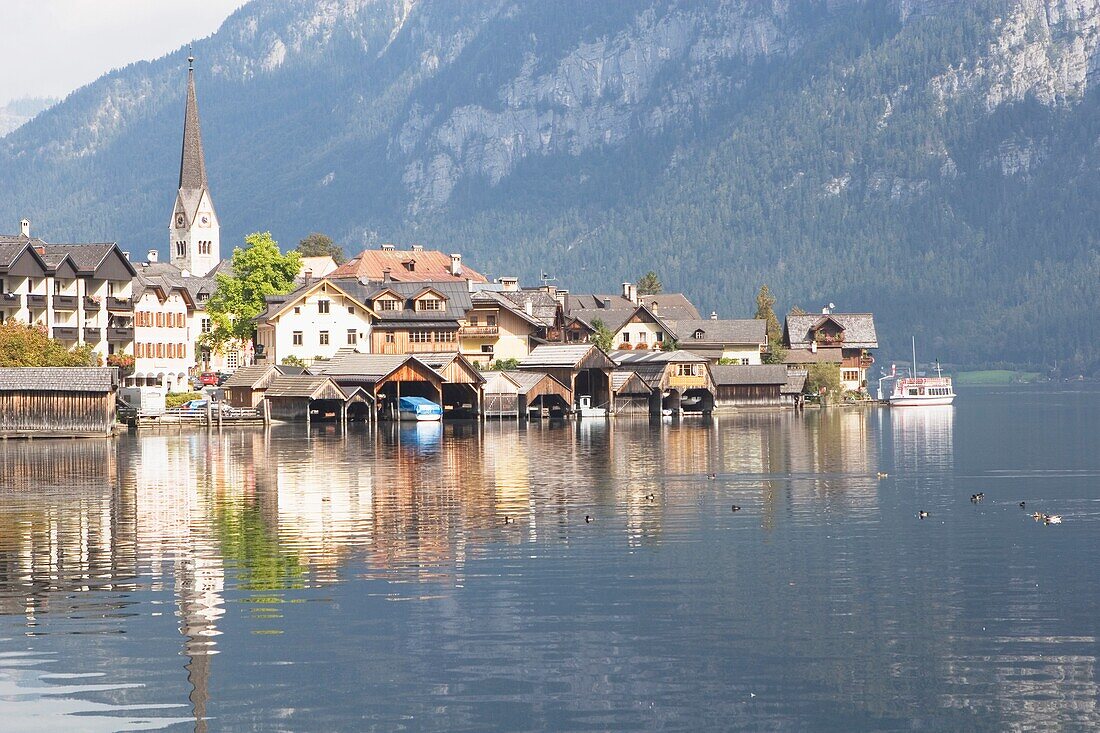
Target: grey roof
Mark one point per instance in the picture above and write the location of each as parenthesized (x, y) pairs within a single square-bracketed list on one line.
[(192, 158), (556, 355), (58, 379), (544, 306), (725, 331), (796, 382), (85, 257), (669, 306), (170, 276), (367, 366), (633, 358), (10, 248), (248, 376), (497, 298), (298, 385), (749, 374), (859, 329)]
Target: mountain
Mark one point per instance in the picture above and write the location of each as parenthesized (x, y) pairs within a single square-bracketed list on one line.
[(18, 111), (933, 161)]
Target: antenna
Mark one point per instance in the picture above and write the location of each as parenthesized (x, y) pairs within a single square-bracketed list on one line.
[(914, 356)]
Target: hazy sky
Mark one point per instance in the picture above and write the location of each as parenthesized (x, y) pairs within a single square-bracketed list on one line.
[(52, 47)]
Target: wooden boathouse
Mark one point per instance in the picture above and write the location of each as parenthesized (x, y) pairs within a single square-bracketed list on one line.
[(385, 378), (463, 383), (515, 393), (42, 402), (583, 368), (650, 382), (753, 385), (246, 387), (305, 397)]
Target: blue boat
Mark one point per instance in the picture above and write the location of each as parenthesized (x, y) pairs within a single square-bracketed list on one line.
[(419, 409)]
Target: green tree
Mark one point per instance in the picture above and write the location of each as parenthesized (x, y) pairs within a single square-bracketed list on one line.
[(765, 312), (775, 354), (259, 270), (292, 361), (321, 245), (649, 284), (823, 375), (22, 345), (602, 336), (503, 365)]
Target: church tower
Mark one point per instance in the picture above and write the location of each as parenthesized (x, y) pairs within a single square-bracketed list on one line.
[(195, 241)]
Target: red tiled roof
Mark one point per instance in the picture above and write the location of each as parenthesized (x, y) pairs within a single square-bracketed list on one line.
[(428, 266)]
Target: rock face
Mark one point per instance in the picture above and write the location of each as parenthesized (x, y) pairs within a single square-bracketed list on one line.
[(907, 155)]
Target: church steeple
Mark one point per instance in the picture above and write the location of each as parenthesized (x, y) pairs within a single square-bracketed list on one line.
[(192, 160), (194, 234)]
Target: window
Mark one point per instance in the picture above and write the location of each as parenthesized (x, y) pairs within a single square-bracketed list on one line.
[(420, 337), (490, 320), (851, 375), (139, 350), (323, 306), (205, 325), (57, 287), (430, 304), (641, 337), (660, 336), (296, 338), (486, 348), (410, 265), (323, 338), (110, 288), (386, 305), (231, 360), (205, 356), (297, 310), (353, 337), (181, 249), (160, 351), (445, 337), (203, 297), (160, 319), (351, 310), (390, 338), (686, 370), (473, 320)]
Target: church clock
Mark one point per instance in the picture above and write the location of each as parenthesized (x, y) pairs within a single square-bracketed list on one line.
[(180, 220)]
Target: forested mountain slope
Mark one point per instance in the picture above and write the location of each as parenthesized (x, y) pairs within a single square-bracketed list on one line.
[(933, 161)]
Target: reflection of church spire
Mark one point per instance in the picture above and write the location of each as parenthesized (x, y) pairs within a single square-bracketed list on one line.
[(198, 586)]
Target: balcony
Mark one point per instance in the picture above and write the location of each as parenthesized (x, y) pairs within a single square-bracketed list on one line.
[(65, 333), (64, 302), (92, 335), (687, 381), (10, 299), (36, 301), (479, 331), (92, 302), (120, 333), (119, 304)]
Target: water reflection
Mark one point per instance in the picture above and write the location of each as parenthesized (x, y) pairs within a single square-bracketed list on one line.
[(305, 548)]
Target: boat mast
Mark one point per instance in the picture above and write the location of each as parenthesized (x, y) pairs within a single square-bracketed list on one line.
[(914, 356)]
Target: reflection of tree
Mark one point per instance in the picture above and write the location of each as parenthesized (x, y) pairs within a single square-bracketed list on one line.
[(246, 542)]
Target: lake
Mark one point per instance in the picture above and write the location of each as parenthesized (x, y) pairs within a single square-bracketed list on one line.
[(430, 578)]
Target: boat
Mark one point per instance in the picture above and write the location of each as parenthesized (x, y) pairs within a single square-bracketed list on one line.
[(585, 408), (418, 409), (914, 391)]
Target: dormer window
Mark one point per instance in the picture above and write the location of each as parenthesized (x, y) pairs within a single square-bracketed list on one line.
[(386, 305), (430, 304), (410, 265), (699, 333)]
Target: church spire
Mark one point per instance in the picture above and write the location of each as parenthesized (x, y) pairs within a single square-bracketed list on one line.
[(192, 159)]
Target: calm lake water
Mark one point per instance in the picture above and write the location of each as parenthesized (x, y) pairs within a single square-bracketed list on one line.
[(429, 578)]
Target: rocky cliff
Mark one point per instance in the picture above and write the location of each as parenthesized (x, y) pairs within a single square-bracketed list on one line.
[(935, 161)]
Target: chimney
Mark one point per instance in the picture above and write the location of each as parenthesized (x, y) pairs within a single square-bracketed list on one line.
[(417, 248), (25, 228), (387, 248), (308, 278), (634, 294), (42, 251), (456, 264), (813, 346), (509, 284), (605, 303), (152, 256), (126, 255), (626, 290), (714, 315), (528, 308), (386, 275)]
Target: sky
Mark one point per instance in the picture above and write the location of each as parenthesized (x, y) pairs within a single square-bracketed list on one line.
[(73, 42)]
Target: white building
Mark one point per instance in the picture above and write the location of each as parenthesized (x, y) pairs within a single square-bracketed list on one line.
[(80, 293), (164, 342), (313, 322)]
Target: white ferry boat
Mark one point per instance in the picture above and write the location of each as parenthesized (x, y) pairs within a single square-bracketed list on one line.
[(914, 391)]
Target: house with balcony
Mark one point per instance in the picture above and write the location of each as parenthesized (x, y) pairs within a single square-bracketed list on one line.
[(636, 321), (81, 293), (315, 321), (842, 340), (164, 340), (497, 327), (417, 317)]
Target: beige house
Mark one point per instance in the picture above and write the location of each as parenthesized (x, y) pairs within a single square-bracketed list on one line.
[(313, 323), (734, 341), (497, 328)]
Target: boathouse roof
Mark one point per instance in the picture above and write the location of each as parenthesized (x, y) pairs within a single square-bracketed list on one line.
[(58, 379), (749, 374)]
